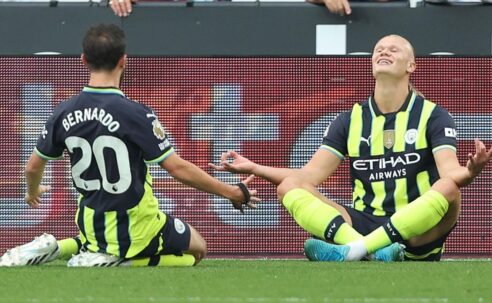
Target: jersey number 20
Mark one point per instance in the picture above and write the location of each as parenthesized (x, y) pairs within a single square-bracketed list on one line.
[(101, 142)]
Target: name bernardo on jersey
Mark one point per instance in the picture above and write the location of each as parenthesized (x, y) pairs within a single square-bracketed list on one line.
[(389, 166), (90, 114)]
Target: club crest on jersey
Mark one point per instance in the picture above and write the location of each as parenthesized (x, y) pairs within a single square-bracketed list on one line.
[(179, 226), (158, 130), (411, 136), (389, 138)]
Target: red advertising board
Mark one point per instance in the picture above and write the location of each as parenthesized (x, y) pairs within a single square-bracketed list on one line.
[(272, 110)]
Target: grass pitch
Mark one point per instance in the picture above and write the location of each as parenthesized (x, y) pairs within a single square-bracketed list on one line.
[(254, 281)]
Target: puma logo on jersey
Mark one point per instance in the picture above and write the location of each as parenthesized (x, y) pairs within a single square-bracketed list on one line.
[(44, 132), (368, 140)]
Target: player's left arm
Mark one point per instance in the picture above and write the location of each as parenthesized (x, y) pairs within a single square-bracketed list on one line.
[(442, 135), (34, 174), (449, 166)]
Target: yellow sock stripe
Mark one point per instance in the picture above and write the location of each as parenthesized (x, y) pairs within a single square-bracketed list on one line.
[(400, 194), (377, 239), (377, 137), (172, 260), (427, 109), (165, 261), (68, 247), (379, 194), (355, 131)]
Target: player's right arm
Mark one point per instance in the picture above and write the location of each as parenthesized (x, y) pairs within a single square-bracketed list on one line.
[(318, 169), (322, 165), (191, 175), (34, 174), (47, 148)]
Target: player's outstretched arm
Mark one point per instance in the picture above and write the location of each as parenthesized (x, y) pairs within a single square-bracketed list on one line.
[(318, 169), (191, 175), (449, 166), (34, 174), (233, 162)]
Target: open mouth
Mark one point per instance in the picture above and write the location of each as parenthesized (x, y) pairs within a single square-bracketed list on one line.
[(384, 62)]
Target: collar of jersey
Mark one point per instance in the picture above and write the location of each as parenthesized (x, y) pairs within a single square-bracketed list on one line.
[(406, 107), (103, 90)]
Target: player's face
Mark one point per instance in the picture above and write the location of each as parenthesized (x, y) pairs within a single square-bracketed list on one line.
[(393, 56)]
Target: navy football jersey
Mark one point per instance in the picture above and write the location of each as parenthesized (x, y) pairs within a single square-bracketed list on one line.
[(391, 155), (110, 139)]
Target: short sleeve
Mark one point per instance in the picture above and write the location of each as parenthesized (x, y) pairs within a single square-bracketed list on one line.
[(151, 136), (335, 135), (49, 146), (441, 130)]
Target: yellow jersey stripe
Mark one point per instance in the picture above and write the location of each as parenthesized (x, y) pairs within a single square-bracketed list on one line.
[(377, 203), (111, 232), (355, 131), (412, 101), (358, 195), (89, 229), (400, 131), (427, 109), (377, 131)]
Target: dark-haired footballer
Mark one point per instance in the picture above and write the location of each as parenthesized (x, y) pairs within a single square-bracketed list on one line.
[(111, 140)]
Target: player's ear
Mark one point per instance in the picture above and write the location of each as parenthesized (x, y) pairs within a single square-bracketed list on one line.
[(122, 61), (411, 67), (83, 59)]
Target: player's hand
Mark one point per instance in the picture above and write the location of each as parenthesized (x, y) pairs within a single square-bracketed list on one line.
[(122, 8), (477, 162), (235, 163), (245, 196), (35, 200), (340, 7)]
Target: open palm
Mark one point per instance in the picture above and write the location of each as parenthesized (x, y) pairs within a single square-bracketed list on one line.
[(233, 162)]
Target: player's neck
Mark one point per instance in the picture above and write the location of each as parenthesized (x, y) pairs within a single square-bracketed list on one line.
[(105, 79), (390, 97)]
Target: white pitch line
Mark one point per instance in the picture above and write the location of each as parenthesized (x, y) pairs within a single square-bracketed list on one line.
[(249, 300)]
